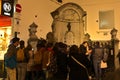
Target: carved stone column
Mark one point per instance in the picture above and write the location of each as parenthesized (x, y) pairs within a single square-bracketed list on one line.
[(33, 39), (115, 43)]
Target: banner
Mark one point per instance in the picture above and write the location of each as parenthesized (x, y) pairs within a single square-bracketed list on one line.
[(7, 8)]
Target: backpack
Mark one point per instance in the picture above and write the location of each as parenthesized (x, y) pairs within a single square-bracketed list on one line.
[(20, 54), (10, 61)]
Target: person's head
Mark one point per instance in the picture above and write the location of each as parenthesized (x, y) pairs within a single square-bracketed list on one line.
[(85, 43), (42, 43), (49, 45), (28, 49), (22, 44), (73, 50), (97, 44), (62, 47), (55, 47), (15, 41)]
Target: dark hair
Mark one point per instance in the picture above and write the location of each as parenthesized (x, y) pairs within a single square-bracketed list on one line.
[(15, 39), (97, 44), (74, 49), (84, 42), (26, 51), (41, 43), (49, 45), (22, 43)]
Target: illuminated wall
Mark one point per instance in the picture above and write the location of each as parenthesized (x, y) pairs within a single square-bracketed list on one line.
[(44, 19)]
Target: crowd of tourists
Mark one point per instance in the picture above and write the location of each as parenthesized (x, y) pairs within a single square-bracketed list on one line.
[(54, 61)]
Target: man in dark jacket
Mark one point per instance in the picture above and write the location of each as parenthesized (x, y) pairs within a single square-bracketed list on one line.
[(78, 64), (97, 56)]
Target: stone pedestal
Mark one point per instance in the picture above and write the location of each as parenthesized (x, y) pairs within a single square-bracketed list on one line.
[(115, 44), (116, 49)]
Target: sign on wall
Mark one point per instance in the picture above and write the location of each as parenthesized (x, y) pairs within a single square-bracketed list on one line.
[(106, 19), (18, 8), (7, 7)]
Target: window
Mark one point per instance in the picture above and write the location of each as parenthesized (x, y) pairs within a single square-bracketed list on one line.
[(106, 19)]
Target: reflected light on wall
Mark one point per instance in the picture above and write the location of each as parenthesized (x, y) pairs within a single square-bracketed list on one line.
[(1, 33), (8, 31), (104, 23)]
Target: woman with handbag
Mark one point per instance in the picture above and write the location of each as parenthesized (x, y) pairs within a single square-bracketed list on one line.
[(78, 64)]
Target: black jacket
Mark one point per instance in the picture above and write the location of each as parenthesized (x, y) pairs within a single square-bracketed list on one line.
[(77, 72)]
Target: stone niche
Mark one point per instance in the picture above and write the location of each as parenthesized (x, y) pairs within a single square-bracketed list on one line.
[(68, 24)]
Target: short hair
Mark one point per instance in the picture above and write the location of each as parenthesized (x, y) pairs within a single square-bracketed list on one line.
[(22, 42), (74, 50), (85, 42), (15, 39)]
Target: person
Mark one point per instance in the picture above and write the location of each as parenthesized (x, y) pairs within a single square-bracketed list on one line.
[(78, 64), (46, 60), (84, 48), (21, 61), (91, 69), (52, 62), (97, 56), (38, 61), (60, 53), (10, 59), (118, 56), (29, 59)]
